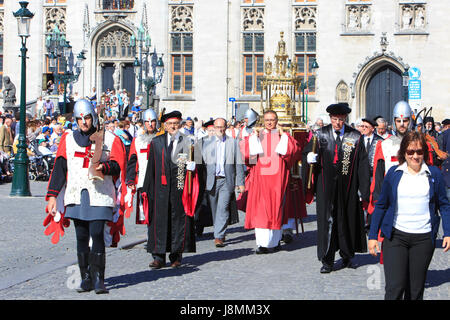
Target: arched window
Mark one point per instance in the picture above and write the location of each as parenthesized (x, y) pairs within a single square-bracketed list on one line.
[(115, 43)]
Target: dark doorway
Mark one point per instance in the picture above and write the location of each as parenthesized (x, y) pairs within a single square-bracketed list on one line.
[(107, 76), (128, 81), (384, 90)]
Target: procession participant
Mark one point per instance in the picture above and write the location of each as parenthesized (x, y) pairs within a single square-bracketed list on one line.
[(370, 140), (224, 171), (203, 215), (341, 168), (386, 151), (165, 192), (137, 164), (88, 202), (270, 154), (382, 127)]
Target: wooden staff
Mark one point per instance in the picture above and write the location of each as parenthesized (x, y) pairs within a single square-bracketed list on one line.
[(311, 165)]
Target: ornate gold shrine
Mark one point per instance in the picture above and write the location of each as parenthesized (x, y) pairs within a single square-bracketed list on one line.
[(280, 88)]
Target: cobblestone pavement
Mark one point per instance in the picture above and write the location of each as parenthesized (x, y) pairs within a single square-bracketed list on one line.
[(31, 267)]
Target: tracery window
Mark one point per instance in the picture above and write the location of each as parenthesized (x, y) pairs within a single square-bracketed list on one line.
[(305, 27), (181, 49), (115, 44), (252, 49)]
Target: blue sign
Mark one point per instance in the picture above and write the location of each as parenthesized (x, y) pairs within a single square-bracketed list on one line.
[(414, 73), (232, 99), (414, 89)]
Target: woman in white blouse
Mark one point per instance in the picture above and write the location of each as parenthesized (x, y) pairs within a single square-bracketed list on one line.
[(407, 214)]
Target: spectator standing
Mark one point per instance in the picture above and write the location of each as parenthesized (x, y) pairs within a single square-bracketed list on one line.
[(48, 107), (39, 111)]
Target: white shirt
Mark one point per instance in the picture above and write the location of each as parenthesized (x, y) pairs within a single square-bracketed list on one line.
[(220, 156), (368, 138), (175, 141), (341, 132), (413, 213)]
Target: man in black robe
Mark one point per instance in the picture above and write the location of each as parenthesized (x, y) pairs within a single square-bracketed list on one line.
[(341, 168), (170, 229)]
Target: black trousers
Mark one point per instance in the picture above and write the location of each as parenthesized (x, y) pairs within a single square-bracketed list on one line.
[(406, 258), (90, 229)]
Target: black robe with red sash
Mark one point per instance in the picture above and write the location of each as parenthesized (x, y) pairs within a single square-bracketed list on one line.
[(336, 187), (170, 229)]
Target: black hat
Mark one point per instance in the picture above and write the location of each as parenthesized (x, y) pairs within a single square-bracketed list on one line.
[(371, 122), (428, 119), (170, 115), (339, 108), (209, 123), (446, 122)]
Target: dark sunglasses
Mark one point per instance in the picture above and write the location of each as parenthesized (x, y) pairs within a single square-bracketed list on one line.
[(410, 152)]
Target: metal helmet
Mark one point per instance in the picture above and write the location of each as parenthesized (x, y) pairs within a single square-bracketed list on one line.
[(402, 110), (419, 120), (84, 107), (149, 115), (252, 117)]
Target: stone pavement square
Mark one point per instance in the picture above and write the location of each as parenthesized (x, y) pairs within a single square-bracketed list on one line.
[(31, 267)]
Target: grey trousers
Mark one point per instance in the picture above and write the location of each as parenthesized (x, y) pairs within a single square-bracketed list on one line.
[(219, 199)]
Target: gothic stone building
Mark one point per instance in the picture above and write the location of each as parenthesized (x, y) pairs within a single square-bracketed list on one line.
[(214, 50)]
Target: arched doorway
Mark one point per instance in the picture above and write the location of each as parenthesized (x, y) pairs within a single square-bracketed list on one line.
[(384, 90), (114, 61), (378, 86)]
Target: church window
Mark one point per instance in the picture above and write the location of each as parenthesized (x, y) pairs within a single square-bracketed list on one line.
[(116, 4), (305, 43), (252, 49), (181, 49)]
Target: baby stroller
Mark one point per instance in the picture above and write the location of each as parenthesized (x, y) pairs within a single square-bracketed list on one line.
[(40, 166)]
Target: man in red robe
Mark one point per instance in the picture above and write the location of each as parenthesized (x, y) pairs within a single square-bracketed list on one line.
[(269, 154)]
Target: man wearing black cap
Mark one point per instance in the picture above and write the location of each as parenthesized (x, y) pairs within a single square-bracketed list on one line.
[(341, 168), (171, 223), (370, 140)]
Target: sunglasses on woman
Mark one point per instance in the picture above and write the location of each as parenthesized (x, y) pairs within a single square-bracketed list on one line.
[(410, 152)]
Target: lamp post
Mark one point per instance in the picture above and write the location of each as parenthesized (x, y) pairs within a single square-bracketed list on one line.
[(58, 48), (405, 77), (20, 184), (141, 64), (303, 87)]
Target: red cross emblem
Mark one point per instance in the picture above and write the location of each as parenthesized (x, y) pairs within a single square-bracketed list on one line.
[(146, 150), (86, 155)]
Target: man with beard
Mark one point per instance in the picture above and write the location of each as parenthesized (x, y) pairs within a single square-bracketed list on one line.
[(341, 169), (137, 163), (88, 202), (386, 151), (165, 192)]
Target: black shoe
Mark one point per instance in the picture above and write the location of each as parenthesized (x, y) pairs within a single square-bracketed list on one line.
[(326, 269), (277, 248), (262, 250), (286, 238), (86, 281), (347, 263), (97, 263)]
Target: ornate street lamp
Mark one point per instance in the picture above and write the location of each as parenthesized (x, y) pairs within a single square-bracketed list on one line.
[(303, 87), (20, 184), (405, 78)]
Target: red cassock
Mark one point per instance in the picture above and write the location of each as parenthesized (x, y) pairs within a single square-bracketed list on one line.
[(268, 180)]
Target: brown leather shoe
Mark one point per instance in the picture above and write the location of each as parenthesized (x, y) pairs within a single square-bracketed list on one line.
[(176, 264), (219, 243), (156, 264)]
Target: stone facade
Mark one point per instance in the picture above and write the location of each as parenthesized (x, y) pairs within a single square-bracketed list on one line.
[(353, 39)]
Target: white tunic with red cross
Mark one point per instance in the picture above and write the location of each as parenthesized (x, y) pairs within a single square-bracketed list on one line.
[(142, 145), (101, 193)]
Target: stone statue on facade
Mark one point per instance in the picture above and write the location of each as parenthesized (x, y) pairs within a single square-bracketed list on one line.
[(9, 94), (116, 77)]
